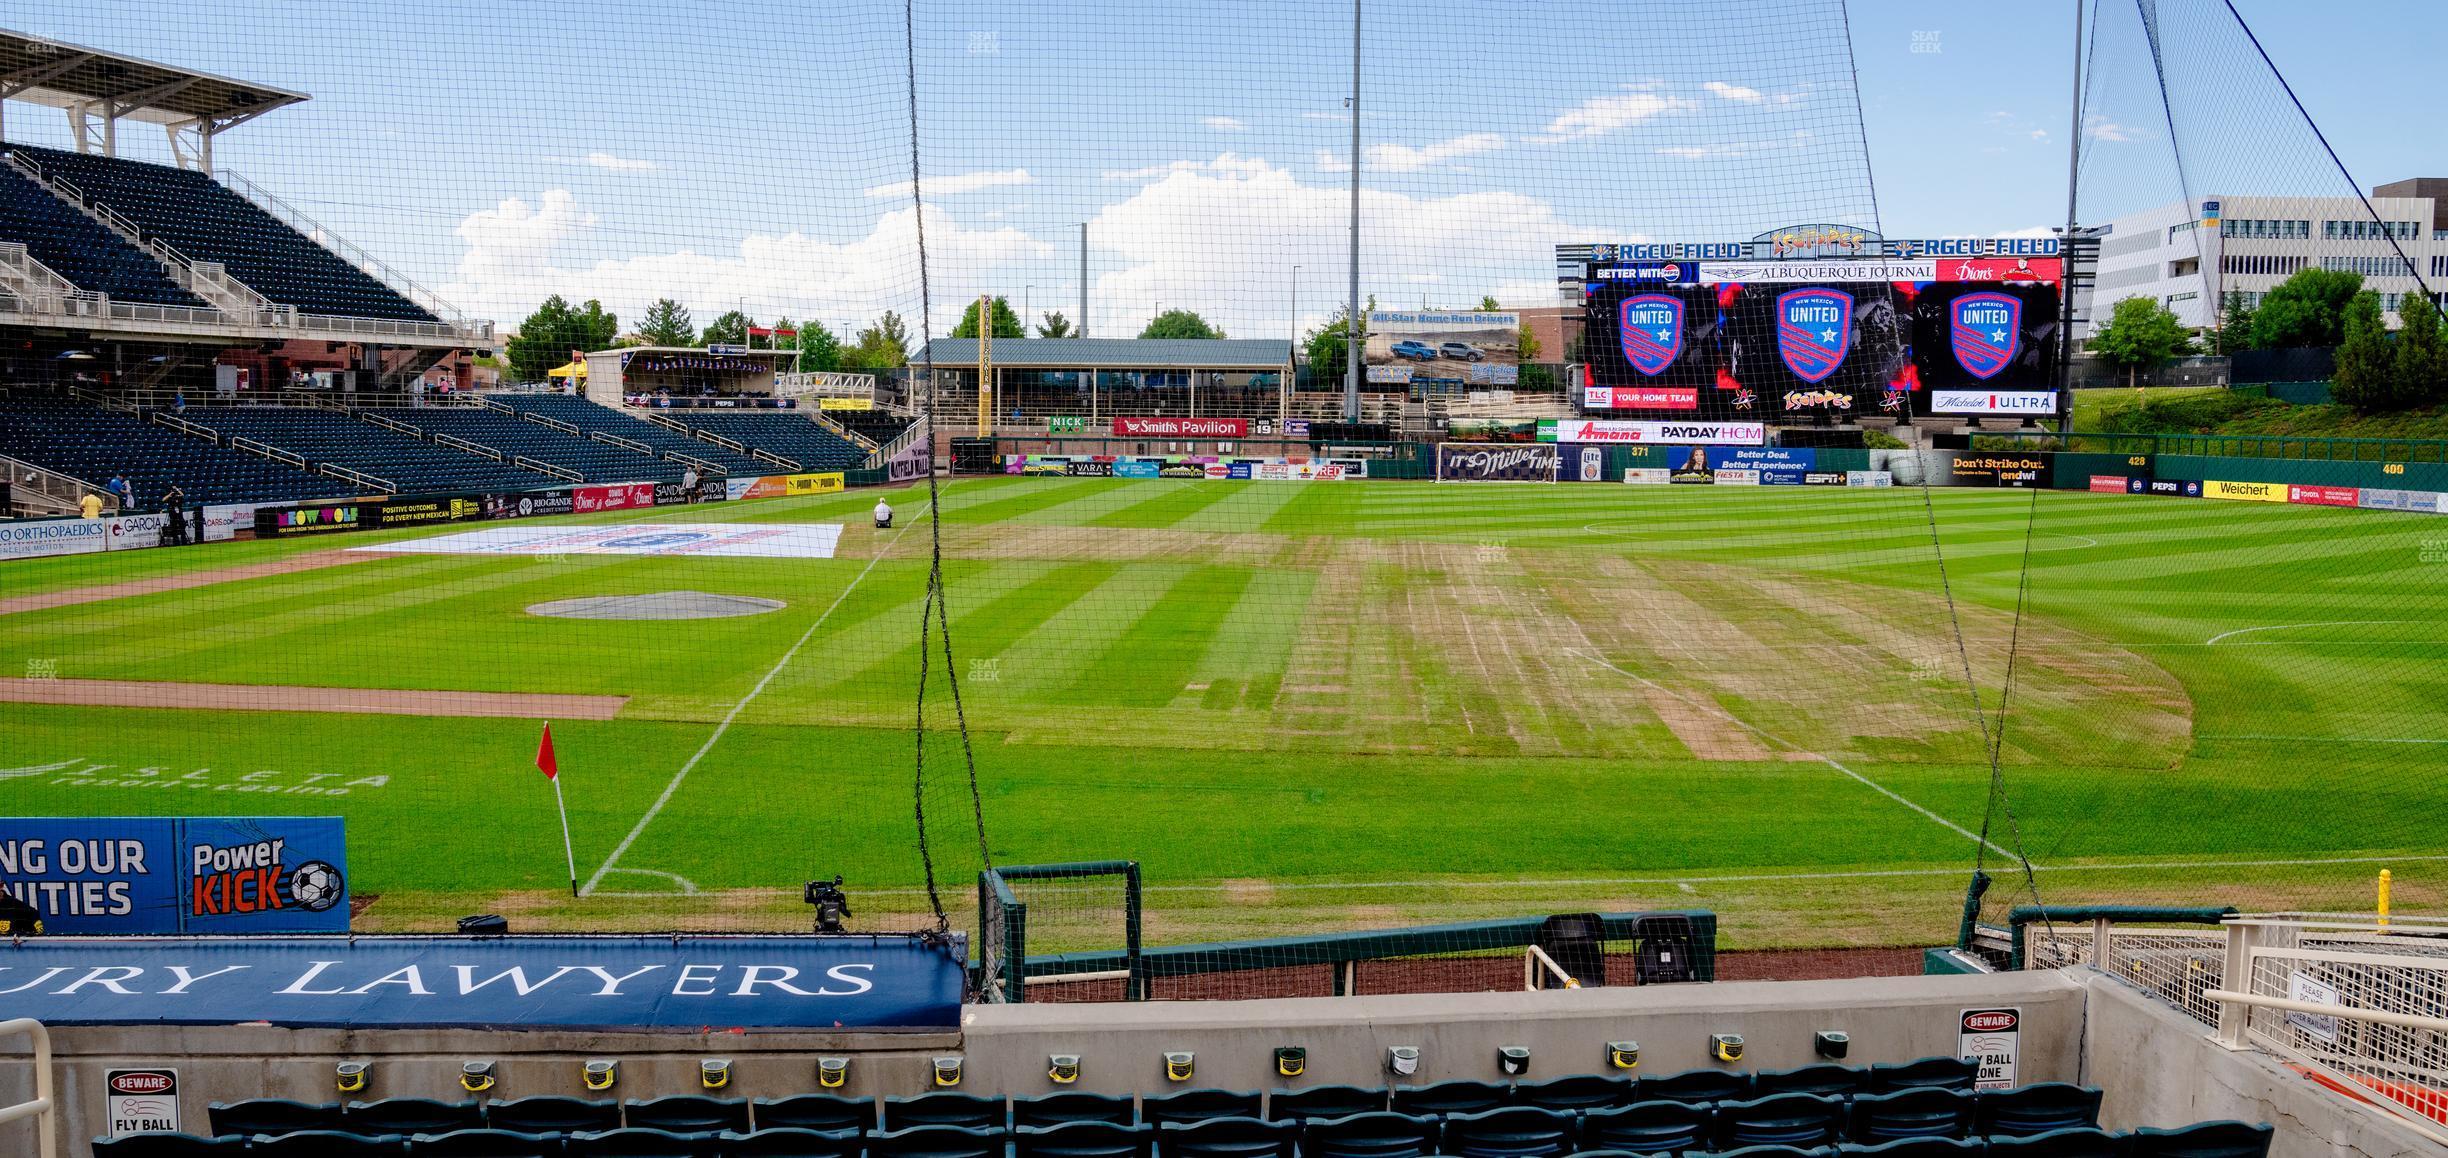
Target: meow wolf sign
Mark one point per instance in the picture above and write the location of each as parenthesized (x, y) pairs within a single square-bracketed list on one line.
[(631, 983)]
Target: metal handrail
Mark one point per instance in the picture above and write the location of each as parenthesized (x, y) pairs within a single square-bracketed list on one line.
[(45, 1106), (476, 448), (541, 467), (776, 459), (361, 478), (542, 419), (267, 450), (615, 440)]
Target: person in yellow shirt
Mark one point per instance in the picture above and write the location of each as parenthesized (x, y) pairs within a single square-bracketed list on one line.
[(90, 505)]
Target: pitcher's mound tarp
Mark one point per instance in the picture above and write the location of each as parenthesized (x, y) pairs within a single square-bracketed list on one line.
[(657, 605)]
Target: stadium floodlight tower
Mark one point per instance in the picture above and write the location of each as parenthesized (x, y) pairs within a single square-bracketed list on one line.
[(98, 89)]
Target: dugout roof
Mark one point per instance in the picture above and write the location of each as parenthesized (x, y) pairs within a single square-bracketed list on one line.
[(40, 70), (1114, 353)]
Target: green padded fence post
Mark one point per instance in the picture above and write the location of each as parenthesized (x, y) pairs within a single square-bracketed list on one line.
[(1971, 909), (1134, 987)]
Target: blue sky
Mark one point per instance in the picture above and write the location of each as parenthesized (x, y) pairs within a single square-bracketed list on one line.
[(725, 156)]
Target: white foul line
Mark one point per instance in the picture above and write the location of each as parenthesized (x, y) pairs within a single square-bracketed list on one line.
[(589, 888), (1830, 761), (2213, 640)]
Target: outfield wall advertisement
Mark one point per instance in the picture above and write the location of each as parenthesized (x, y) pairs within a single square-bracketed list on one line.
[(1496, 462), (1271, 469), (853, 982), (184, 875), (1604, 431), (1478, 347)]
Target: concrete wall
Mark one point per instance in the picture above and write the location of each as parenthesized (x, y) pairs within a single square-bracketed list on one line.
[(2160, 1068)]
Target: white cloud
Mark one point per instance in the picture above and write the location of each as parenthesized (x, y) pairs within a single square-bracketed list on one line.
[(1405, 158), (1735, 92), (1223, 163), (1225, 124), (2100, 128), (518, 252), (1601, 115), (620, 164), (950, 184)]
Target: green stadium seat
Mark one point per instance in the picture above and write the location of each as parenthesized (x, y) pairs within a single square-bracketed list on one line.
[(163, 1144), (1912, 1148), (2080, 1142), (2035, 1109), (271, 1116), (1577, 1092), (1803, 1120), (1826, 1079), (687, 1114), (1378, 1134), (1510, 1132), (1324, 1102), (485, 1144), (327, 1144), (787, 1142), (1925, 1112), (412, 1116), (823, 1112), (1227, 1138), (1773, 1151), (1462, 1097), (2201, 1140), (1945, 1073), (945, 1109), (940, 1142), (1199, 1106), (1058, 1109), (1086, 1138), (1696, 1086), (1648, 1126), (644, 1143), (553, 1114)]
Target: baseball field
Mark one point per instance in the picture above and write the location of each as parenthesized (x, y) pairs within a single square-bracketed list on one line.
[(1300, 705)]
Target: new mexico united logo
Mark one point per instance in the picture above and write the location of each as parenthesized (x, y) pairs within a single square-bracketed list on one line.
[(1651, 327), (1814, 330), (1987, 330)]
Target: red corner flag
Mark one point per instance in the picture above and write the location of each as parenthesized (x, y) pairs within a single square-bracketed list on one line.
[(544, 756), (552, 771)]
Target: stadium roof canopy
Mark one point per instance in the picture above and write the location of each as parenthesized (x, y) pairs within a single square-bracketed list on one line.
[(98, 89), (1115, 353)]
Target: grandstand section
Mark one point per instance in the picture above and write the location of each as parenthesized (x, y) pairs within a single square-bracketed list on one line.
[(76, 249), (532, 443), (672, 444), (404, 461), (796, 437), (93, 444)]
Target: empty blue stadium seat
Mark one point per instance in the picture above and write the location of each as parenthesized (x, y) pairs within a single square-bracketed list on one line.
[(2200, 1140), (553, 1114), (1058, 1109), (1577, 1092), (793, 1143), (1371, 1135), (412, 1116), (1645, 1127), (1945, 1073), (1459, 1097), (2035, 1109), (78, 248), (945, 1109), (1826, 1079), (1510, 1132), (206, 221), (271, 1116), (1911, 1148), (166, 1145), (939, 1142), (1324, 1102), (1921, 1112), (1779, 1120), (2079, 1142), (1696, 1086), (1086, 1138), (826, 1112), (687, 1113), (1227, 1138), (639, 1143), (327, 1144), (485, 1144), (1199, 1106)]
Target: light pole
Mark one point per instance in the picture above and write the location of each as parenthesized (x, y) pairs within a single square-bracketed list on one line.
[(1024, 308), (1296, 317), (1352, 341)]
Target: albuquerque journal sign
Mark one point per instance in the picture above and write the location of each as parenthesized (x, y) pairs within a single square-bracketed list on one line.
[(629, 983)]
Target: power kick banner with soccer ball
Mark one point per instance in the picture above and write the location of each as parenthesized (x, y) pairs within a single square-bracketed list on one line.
[(192, 875)]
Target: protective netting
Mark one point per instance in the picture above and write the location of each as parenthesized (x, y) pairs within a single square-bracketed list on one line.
[(919, 437)]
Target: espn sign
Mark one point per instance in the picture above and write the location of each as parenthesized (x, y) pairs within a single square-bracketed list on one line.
[(1641, 397), (1993, 402)]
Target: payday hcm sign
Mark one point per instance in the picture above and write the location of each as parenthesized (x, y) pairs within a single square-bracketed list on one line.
[(166, 874), (635, 983)]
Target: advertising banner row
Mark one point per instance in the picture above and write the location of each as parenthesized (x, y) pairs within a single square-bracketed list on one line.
[(392, 512), (36, 538), (179, 875), (1714, 465), (1187, 466), (1129, 427)]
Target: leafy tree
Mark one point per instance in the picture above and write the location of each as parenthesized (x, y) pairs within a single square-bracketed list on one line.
[(668, 324), (1180, 324), (2235, 328), (1055, 325), (1006, 323), (1487, 303), (882, 345), (819, 349), (1325, 346), (548, 335), (2366, 365), (729, 329), (2420, 365), (1526, 344), (2140, 332), (2307, 309)]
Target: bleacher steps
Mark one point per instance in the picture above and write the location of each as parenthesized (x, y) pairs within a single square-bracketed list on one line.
[(537, 465)]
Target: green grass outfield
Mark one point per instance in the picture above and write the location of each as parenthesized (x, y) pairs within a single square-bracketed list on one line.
[(1321, 705)]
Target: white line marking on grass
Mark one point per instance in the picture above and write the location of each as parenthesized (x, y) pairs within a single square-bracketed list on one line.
[(2085, 540), (1830, 761), (688, 888), (589, 888), (2213, 640)]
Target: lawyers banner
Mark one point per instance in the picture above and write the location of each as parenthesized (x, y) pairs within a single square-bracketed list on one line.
[(630, 983), (1491, 462), (193, 875)]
